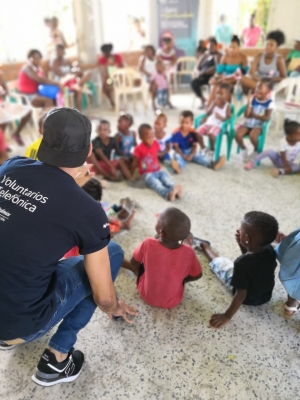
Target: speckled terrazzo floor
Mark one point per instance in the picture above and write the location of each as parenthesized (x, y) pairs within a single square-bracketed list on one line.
[(174, 354)]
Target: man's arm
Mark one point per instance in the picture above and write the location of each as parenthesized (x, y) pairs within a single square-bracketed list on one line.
[(97, 267), (219, 320)]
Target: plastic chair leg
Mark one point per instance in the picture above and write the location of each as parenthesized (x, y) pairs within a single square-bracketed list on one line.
[(218, 146)]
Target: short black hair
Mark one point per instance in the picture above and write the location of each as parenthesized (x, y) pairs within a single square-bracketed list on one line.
[(175, 224), (60, 46), (187, 114), (149, 46), (277, 35), (104, 122), (267, 81), (32, 52), (93, 188), (225, 86), (290, 126), (142, 128), (127, 117), (235, 39), (106, 48), (265, 224), (213, 40)]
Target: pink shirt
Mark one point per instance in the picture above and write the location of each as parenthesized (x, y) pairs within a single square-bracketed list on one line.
[(160, 80), (161, 285), (251, 36)]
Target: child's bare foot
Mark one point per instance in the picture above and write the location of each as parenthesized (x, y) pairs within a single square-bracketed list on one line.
[(128, 224), (275, 172), (176, 166), (219, 163), (172, 195), (178, 189)]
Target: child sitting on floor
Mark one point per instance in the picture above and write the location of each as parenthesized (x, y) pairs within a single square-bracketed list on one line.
[(159, 87), (251, 276), (259, 109), (164, 140), (119, 216), (103, 146), (283, 159), (146, 158), (163, 265), (218, 112), (125, 137), (185, 145)]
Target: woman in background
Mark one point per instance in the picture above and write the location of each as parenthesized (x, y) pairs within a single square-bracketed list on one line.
[(268, 64), (250, 35)]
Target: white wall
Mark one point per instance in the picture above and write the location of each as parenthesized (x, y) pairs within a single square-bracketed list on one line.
[(284, 15)]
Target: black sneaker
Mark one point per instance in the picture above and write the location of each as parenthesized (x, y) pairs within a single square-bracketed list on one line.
[(49, 372)]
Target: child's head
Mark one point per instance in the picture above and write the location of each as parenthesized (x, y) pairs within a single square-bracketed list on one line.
[(263, 88), (160, 67), (41, 122), (146, 134), (93, 188), (292, 131), (103, 129), (124, 122), (34, 56), (149, 52), (173, 225), (106, 49), (60, 51), (258, 229), (186, 121), (297, 44), (223, 93), (160, 123)]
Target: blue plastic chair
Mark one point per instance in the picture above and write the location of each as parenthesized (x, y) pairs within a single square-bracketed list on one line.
[(226, 129), (262, 136)]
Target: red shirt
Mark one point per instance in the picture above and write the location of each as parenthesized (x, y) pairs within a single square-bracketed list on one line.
[(147, 157), (27, 85), (118, 60), (165, 269)]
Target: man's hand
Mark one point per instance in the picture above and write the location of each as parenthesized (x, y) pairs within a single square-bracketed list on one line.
[(218, 320), (123, 310)]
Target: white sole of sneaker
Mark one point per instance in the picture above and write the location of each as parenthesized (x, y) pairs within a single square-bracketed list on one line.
[(68, 379)]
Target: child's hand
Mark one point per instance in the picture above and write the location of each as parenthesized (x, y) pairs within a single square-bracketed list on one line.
[(288, 170), (250, 96), (238, 236), (280, 236), (218, 320)]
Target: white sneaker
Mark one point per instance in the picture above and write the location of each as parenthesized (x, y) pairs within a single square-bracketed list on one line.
[(210, 155), (252, 155), (203, 152), (244, 155)]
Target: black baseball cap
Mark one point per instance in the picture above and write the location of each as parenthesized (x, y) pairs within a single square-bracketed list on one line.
[(66, 138)]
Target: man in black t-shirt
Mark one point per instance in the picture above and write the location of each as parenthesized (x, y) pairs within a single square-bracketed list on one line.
[(251, 276), (43, 214)]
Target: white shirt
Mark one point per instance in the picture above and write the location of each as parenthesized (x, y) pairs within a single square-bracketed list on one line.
[(213, 120), (290, 151)]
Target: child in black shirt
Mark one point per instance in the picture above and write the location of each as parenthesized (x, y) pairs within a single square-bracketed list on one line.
[(251, 276)]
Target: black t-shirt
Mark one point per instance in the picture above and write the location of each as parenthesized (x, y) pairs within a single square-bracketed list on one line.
[(43, 214), (107, 149), (255, 273)]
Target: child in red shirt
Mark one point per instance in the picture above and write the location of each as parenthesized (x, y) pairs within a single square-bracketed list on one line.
[(163, 265), (146, 158)]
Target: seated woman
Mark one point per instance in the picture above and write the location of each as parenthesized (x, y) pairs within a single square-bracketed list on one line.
[(71, 77), (31, 76), (147, 63), (268, 64), (293, 60), (232, 65), (206, 68), (167, 54), (10, 112)]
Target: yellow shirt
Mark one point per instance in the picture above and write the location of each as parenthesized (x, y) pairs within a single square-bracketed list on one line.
[(31, 151)]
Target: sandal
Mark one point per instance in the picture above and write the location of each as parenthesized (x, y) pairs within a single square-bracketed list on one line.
[(293, 309), (195, 242)]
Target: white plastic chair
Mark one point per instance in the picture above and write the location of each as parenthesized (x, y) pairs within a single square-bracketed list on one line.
[(185, 66), (124, 80), (291, 104)]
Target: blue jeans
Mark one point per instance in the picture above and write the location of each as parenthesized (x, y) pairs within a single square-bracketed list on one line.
[(75, 303), (198, 159), (159, 181), (223, 268)]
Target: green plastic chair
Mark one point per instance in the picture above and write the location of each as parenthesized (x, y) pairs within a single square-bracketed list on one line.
[(226, 129), (261, 138)]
